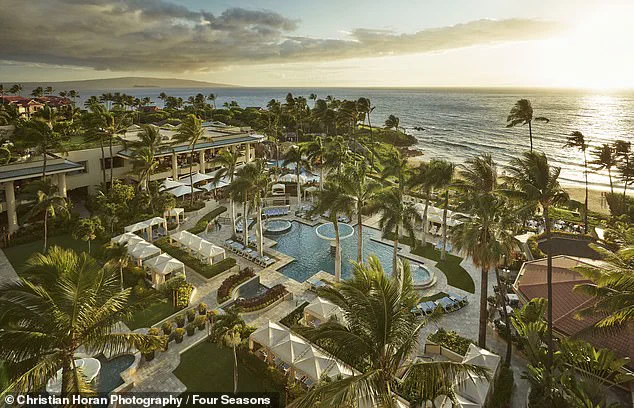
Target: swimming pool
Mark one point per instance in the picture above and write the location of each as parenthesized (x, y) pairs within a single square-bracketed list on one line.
[(312, 254)]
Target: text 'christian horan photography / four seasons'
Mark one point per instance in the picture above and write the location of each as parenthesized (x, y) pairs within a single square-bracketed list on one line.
[(408, 205)]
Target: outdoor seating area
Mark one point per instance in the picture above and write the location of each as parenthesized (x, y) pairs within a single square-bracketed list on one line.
[(295, 356), (205, 250), (177, 214), (446, 304), (147, 230), (320, 311), (249, 253), (276, 211), (162, 268)]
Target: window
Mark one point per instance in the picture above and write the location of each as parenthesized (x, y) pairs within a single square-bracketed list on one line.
[(77, 172), (117, 162)]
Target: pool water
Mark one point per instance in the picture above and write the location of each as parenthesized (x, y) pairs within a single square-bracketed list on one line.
[(312, 254), (110, 375)]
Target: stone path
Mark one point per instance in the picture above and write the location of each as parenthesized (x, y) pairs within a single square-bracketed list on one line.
[(7, 272)]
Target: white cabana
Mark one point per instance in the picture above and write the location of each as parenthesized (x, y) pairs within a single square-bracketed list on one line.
[(314, 363), (268, 335), (164, 267), (127, 238), (339, 369), (290, 348), (142, 251), (211, 252), (435, 215), (138, 226), (483, 358), (195, 178), (524, 237), (278, 189), (475, 389), (292, 178), (177, 213), (320, 311), (182, 191), (310, 190), (146, 226), (169, 184)]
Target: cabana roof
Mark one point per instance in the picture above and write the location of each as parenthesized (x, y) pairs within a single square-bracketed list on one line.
[(141, 225), (195, 178), (290, 348), (314, 363), (182, 190), (169, 184), (269, 335), (176, 211), (322, 309), (482, 358), (143, 250), (127, 238), (207, 249)]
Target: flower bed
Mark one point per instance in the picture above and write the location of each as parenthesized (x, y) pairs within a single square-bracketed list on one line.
[(451, 340), (227, 286), (260, 302), (205, 269)]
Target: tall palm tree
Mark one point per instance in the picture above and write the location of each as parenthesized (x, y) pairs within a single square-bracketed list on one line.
[(334, 201), (622, 150), (444, 175), (73, 94), (424, 177), (604, 158), (613, 287), (144, 164), (88, 229), (275, 114), (16, 89), (381, 333), (363, 190), (117, 254), (48, 203), (578, 141), (228, 162), (522, 114), (534, 180), (336, 153), (149, 136), (63, 304), (316, 151), (41, 136), (94, 124), (296, 155), (190, 131), (114, 123), (395, 166), (397, 216), (228, 330), (392, 122), (253, 180)]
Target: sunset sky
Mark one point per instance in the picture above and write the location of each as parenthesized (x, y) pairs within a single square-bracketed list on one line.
[(404, 43)]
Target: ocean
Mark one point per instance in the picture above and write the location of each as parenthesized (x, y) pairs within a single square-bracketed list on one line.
[(461, 123)]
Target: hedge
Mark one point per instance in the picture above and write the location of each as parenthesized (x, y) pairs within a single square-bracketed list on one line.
[(227, 286), (503, 390), (205, 269), (292, 319), (451, 340), (260, 302), (202, 223)]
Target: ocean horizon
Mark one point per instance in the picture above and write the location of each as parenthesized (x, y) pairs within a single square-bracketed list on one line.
[(459, 123)]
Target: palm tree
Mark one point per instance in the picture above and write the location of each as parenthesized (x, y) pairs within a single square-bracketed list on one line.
[(48, 203), (254, 179), (396, 166), (535, 181), (275, 112), (40, 135), (578, 141), (149, 136), (424, 177), (522, 114), (396, 215), (73, 94), (64, 304), (604, 158), (613, 287), (381, 333), (117, 254), (93, 122), (444, 177), (392, 122), (228, 330), (622, 150), (49, 90), (190, 131), (228, 162), (16, 89), (114, 123), (316, 151), (313, 97), (367, 109), (88, 229), (144, 164), (334, 201), (363, 190), (295, 155), (336, 153)]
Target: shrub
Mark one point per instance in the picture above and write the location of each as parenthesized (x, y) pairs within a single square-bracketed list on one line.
[(534, 248), (180, 321), (202, 309), (503, 390), (205, 269), (191, 329), (202, 223), (154, 331), (260, 302), (292, 319), (167, 327), (200, 322), (451, 340), (179, 333), (227, 286), (191, 315)]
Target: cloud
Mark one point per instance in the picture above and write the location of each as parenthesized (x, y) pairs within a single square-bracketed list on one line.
[(147, 35)]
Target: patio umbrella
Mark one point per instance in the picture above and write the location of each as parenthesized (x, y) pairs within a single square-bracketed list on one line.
[(182, 190), (195, 178), (169, 184)]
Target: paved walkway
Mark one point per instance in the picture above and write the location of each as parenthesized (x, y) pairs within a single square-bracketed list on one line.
[(7, 272)]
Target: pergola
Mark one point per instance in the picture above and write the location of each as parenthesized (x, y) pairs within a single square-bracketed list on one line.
[(320, 311), (278, 189), (310, 190), (142, 251), (127, 238), (163, 267), (177, 213), (147, 226)]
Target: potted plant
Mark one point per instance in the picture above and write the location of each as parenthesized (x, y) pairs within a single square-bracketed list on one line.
[(148, 352), (200, 322), (180, 320), (190, 328), (202, 309), (179, 333), (191, 315), (167, 327)]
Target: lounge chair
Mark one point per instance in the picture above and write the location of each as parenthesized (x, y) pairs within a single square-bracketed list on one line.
[(461, 300), (446, 304)]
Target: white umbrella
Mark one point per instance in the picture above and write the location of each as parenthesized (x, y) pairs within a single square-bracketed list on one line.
[(182, 190), (269, 335), (168, 184), (292, 178), (195, 178)]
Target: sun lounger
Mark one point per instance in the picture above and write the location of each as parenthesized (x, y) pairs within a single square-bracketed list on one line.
[(461, 300), (446, 304), (308, 382)]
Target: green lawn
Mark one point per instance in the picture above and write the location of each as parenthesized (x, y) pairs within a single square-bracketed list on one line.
[(150, 315), (18, 255), (209, 368)]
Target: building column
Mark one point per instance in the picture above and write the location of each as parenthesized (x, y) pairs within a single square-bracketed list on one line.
[(174, 167), (201, 160), (61, 185), (249, 158), (12, 216)]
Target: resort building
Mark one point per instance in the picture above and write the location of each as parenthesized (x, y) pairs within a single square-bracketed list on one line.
[(28, 106), (80, 171), (531, 283)]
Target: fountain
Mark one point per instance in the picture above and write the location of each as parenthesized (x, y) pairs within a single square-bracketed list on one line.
[(327, 232)]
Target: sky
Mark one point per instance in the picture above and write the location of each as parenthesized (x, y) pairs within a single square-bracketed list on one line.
[(371, 43)]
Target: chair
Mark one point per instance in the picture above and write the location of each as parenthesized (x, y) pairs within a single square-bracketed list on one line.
[(447, 304), (461, 300)]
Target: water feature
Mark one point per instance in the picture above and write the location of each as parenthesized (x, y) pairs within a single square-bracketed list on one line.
[(277, 226), (110, 374)]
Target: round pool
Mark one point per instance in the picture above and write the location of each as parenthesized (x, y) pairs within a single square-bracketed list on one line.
[(277, 226), (327, 231), (421, 276)]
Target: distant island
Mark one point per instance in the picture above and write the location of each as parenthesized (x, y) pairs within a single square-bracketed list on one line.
[(125, 82)]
